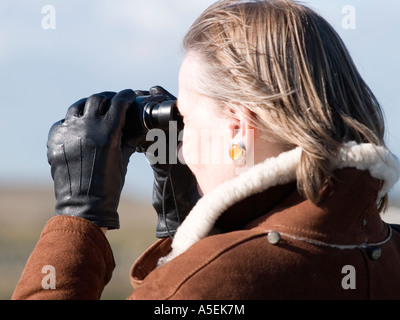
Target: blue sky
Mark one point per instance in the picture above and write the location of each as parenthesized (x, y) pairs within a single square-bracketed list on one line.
[(113, 45)]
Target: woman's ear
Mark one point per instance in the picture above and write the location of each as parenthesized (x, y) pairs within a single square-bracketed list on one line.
[(240, 123), (246, 129), (241, 133)]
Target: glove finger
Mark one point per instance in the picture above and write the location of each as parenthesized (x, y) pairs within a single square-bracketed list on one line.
[(120, 105), (98, 104), (140, 93), (54, 140), (76, 110), (53, 131), (158, 90)]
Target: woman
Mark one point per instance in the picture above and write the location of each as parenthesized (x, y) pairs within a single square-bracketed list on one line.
[(295, 212)]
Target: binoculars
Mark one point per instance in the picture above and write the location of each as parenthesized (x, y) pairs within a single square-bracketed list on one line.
[(153, 112)]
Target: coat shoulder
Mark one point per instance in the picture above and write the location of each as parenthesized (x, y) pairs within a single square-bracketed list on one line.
[(256, 264), (198, 272)]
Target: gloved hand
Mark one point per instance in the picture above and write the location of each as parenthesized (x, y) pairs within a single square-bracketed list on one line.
[(174, 195), (88, 158), (175, 187)]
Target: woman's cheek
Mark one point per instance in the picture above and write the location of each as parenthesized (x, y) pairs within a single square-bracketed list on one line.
[(190, 147)]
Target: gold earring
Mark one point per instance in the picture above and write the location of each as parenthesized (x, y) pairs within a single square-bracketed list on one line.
[(237, 152)]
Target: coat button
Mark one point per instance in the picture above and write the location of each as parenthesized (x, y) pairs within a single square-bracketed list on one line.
[(375, 253), (274, 237)]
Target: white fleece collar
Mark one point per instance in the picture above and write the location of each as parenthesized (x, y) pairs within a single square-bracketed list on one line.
[(380, 162)]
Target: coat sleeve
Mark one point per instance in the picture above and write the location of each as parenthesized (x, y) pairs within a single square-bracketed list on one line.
[(71, 261)]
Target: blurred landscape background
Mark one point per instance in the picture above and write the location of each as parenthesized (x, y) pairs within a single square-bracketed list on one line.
[(100, 45)]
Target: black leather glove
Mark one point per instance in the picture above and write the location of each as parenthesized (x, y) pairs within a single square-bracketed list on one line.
[(175, 187), (174, 195), (89, 159)]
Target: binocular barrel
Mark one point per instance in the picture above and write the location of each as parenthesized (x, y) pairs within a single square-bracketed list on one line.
[(152, 112), (159, 115)]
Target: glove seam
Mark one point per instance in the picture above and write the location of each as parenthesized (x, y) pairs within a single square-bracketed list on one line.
[(67, 165)]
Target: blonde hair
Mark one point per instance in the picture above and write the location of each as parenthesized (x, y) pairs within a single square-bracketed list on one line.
[(286, 65)]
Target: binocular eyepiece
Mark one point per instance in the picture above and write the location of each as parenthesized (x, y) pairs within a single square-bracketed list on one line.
[(153, 112)]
